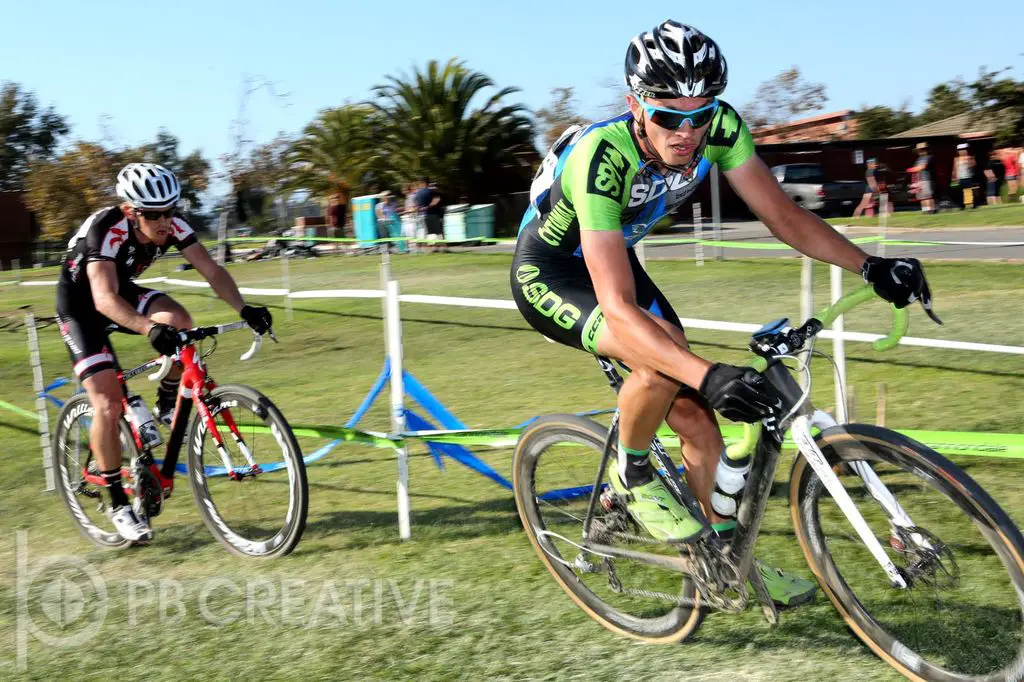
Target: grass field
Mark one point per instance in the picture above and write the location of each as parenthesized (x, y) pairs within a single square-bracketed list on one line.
[(983, 216), (485, 607)]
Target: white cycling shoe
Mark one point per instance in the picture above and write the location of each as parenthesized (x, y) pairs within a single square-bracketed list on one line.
[(129, 525)]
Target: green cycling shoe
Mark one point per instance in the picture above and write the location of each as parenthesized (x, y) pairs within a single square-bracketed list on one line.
[(785, 590), (657, 511)]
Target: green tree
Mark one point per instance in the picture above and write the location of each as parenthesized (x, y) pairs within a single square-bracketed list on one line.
[(784, 98), (430, 127), (63, 191), (945, 100), (880, 121), (336, 151), (28, 134), (193, 171), (1001, 97), (559, 115)]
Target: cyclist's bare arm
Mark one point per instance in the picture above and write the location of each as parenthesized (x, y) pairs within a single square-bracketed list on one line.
[(790, 223), (608, 263), (220, 280), (103, 283)]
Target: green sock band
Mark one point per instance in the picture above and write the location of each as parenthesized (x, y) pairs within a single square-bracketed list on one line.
[(723, 525), (634, 453)]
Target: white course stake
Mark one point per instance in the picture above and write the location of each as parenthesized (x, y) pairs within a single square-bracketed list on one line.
[(806, 299), (393, 323), (716, 213), (883, 220), (37, 384), (698, 234), (838, 343), (286, 284)]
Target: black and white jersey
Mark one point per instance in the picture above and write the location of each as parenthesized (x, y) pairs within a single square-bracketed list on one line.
[(107, 235)]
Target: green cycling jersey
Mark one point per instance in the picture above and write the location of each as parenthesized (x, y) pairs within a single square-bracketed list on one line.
[(594, 178)]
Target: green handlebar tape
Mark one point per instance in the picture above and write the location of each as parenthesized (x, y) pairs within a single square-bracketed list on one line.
[(900, 316)]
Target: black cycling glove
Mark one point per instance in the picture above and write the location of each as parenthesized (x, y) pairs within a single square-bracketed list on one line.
[(258, 318), (739, 393), (164, 338)]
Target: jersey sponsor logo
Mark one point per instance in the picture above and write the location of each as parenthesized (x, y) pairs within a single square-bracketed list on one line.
[(550, 304), (726, 129), (181, 229), (607, 176), (557, 223), (527, 273), (113, 240), (644, 192)]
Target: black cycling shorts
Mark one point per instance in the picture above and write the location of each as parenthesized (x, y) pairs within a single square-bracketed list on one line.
[(86, 332), (557, 298)]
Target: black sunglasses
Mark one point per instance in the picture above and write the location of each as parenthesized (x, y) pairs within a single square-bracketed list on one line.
[(154, 214)]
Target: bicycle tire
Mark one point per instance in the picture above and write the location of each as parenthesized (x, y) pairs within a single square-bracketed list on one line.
[(283, 541), (883, 448), (75, 408), (679, 623)]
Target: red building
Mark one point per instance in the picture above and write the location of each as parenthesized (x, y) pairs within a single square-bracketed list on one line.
[(18, 231), (838, 125)]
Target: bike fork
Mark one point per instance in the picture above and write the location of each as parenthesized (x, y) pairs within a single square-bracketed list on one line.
[(801, 432)]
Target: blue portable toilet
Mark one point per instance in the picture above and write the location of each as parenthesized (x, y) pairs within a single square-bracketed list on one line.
[(364, 219)]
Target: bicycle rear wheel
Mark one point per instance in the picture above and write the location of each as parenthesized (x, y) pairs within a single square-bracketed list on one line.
[(556, 462), (255, 505), (962, 617), (72, 454)]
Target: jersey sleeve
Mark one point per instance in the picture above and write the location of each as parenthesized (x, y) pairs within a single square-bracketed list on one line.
[(595, 179), (184, 236), (105, 233), (729, 143)]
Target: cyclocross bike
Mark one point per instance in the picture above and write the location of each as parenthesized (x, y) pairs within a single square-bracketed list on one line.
[(245, 467), (918, 559)]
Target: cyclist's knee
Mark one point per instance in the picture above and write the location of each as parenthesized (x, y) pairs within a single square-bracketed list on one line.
[(653, 382), (106, 407), (168, 311), (693, 420)]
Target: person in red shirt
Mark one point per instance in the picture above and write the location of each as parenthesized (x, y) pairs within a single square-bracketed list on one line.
[(1012, 171)]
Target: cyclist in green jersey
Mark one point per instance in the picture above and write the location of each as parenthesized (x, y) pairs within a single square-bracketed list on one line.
[(576, 279)]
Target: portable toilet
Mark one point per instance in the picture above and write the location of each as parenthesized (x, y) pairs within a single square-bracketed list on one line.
[(364, 219)]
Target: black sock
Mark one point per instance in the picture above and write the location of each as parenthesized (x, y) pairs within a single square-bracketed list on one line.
[(167, 393), (635, 466), (118, 498)]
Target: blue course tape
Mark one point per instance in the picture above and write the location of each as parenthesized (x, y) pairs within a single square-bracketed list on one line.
[(378, 386)]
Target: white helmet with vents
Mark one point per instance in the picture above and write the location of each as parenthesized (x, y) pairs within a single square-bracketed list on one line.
[(148, 185)]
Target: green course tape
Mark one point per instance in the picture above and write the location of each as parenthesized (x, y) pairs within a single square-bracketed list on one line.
[(17, 410)]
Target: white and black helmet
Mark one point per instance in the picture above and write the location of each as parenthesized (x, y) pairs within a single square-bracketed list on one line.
[(675, 60), (148, 185)]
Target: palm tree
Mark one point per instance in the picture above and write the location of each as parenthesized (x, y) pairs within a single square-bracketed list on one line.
[(335, 151), (429, 128)]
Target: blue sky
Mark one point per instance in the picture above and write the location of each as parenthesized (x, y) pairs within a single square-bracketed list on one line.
[(122, 73)]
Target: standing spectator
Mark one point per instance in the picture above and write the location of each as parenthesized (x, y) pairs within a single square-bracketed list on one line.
[(337, 212), (924, 178), (429, 203), (1012, 172), (963, 171), (871, 176), (993, 176), (1020, 166)]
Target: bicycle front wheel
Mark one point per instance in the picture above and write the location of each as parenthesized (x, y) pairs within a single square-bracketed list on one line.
[(248, 476), (556, 463), (962, 615)]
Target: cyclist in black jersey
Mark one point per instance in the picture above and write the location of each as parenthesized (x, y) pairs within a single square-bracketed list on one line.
[(96, 294), (576, 279)]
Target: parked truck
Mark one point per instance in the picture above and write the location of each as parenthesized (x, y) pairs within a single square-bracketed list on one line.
[(807, 185)]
